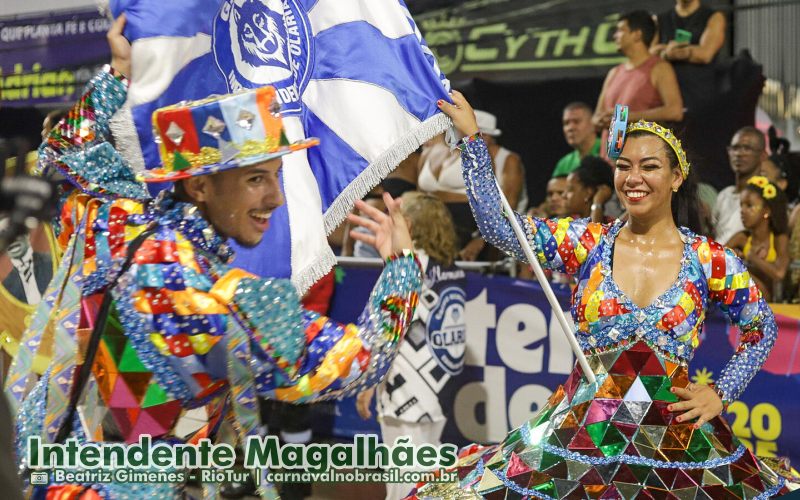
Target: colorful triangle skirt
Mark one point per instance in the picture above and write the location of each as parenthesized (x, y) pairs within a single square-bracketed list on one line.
[(615, 439)]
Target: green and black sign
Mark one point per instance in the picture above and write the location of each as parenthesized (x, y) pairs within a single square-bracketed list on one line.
[(526, 40)]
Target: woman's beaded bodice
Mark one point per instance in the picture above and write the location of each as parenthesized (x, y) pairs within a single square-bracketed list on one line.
[(605, 319)]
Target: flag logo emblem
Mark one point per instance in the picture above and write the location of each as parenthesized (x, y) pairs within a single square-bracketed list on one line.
[(263, 42)]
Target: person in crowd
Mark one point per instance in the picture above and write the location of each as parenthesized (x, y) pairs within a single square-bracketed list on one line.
[(440, 175), (589, 188), (644, 286), (555, 202), (706, 201), (764, 243), (644, 82), (200, 333), (404, 177), (690, 36), (580, 134), (508, 165), (27, 266), (775, 174), (409, 401), (746, 153)]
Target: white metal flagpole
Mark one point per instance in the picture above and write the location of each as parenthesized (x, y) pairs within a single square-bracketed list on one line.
[(548, 290)]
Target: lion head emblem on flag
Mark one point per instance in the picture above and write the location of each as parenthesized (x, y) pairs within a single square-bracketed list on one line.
[(260, 40), (255, 42)]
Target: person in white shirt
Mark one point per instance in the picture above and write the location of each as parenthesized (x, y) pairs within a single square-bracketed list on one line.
[(422, 376), (746, 152)]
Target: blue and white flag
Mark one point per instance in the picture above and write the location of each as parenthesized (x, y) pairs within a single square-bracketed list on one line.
[(355, 73)]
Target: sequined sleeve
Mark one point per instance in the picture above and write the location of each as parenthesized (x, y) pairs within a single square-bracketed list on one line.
[(305, 356), (80, 146), (730, 286), (561, 244)]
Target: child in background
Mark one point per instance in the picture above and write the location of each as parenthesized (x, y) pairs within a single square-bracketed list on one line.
[(432, 353), (764, 244)]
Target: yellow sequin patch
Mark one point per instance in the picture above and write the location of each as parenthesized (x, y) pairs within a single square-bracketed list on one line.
[(192, 301), (593, 306), (335, 365), (158, 340)]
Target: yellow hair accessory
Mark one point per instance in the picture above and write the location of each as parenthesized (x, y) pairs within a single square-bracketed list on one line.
[(668, 136), (768, 190)]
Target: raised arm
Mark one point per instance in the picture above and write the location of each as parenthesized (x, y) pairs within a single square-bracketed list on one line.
[(303, 356), (732, 288), (80, 149), (200, 324), (561, 244)]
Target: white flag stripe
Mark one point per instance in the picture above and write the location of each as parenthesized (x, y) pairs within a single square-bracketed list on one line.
[(387, 17), (340, 103), (311, 255), (157, 60)]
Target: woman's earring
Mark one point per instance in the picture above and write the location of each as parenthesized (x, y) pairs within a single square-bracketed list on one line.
[(674, 190), (766, 216)]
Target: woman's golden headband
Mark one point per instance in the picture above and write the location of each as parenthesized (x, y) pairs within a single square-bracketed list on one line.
[(619, 129)]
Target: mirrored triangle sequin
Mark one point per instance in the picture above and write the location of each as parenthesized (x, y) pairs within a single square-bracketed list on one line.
[(228, 150), (175, 133), (245, 119), (214, 127)]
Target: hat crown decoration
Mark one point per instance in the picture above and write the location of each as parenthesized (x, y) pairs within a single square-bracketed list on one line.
[(218, 133), (667, 136)]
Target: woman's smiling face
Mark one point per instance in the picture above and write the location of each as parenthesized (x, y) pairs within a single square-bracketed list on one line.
[(643, 177)]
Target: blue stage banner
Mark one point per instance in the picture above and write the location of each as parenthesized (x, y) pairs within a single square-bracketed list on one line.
[(48, 59), (517, 355)]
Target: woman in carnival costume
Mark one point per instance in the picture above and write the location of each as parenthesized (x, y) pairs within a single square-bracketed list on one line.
[(180, 340), (642, 430)]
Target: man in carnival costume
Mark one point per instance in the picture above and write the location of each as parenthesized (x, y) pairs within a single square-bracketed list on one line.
[(151, 325)]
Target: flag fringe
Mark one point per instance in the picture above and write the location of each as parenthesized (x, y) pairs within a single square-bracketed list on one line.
[(382, 166), (126, 140), (320, 266)]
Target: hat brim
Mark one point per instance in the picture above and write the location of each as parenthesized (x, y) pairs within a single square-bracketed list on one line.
[(161, 175)]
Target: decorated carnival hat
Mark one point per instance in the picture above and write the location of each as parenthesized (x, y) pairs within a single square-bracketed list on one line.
[(619, 129), (487, 123), (220, 133)]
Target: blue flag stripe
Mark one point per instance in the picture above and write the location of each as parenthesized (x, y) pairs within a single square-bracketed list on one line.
[(149, 18), (340, 48), (335, 165)]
